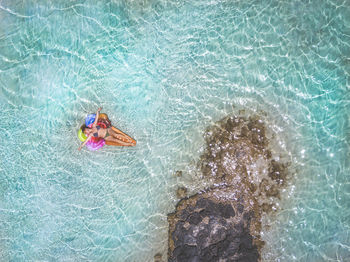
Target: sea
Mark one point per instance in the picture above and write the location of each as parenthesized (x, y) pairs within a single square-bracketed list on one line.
[(164, 71)]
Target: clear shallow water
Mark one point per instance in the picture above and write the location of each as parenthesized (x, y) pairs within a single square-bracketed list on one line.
[(163, 71)]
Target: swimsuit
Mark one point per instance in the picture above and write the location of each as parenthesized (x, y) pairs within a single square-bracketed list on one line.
[(98, 128), (96, 134), (107, 134)]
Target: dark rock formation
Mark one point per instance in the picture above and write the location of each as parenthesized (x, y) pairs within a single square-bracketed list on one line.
[(223, 222), (204, 229)]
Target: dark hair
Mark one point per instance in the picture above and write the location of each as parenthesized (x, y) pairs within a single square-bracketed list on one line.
[(83, 127)]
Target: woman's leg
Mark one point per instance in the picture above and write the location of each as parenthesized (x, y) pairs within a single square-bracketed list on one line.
[(119, 136), (118, 141)]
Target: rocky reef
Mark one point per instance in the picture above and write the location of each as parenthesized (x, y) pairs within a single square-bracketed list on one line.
[(207, 227), (243, 177)]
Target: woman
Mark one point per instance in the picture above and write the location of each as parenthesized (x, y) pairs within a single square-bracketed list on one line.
[(107, 134)]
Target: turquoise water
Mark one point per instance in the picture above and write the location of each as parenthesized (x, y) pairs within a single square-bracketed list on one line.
[(163, 71)]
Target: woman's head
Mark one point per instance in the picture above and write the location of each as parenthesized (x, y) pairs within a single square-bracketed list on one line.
[(85, 129)]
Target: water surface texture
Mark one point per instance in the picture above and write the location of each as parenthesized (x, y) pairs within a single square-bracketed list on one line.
[(163, 71)]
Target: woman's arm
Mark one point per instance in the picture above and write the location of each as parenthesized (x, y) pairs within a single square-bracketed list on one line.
[(97, 116), (83, 144)]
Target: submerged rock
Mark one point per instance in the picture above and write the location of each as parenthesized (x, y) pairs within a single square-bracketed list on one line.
[(158, 258), (178, 173), (223, 222), (181, 192), (238, 155)]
